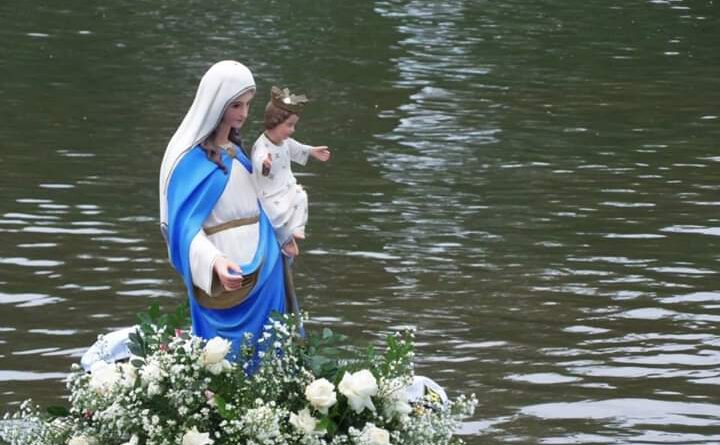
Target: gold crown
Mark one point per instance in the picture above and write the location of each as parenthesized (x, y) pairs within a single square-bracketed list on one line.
[(288, 102)]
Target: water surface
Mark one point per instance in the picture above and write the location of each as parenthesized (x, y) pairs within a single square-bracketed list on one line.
[(532, 185)]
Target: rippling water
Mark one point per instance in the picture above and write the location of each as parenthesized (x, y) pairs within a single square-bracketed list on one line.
[(532, 185)]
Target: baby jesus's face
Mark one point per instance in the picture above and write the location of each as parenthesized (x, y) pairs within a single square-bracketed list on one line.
[(287, 127)]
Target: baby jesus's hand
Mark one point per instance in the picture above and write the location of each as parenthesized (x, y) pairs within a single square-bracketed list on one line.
[(321, 153), (266, 165)]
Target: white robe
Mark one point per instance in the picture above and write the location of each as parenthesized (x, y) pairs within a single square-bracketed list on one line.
[(239, 200), (284, 200)]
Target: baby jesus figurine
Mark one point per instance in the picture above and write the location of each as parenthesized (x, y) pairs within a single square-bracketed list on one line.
[(283, 199)]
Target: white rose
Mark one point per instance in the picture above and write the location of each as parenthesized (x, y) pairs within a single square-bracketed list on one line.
[(195, 437), (304, 421), (321, 395), (372, 435), (215, 351), (151, 373), (358, 388), (218, 368), (103, 377), (154, 389), (82, 440)]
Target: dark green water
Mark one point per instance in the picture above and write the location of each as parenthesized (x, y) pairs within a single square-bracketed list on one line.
[(533, 185)]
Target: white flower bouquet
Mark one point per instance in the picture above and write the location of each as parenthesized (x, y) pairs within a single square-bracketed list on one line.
[(289, 388)]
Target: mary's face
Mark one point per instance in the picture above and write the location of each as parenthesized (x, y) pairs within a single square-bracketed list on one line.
[(237, 112)]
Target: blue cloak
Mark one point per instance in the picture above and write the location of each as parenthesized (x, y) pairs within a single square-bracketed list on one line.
[(195, 186)]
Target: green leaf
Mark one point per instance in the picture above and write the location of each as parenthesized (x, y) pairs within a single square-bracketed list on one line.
[(331, 427), (324, 423), (154, 311), (58, 411), (222, 407), (328, 369), (144, 318), (136, 349), (317, 363), (135, 338)]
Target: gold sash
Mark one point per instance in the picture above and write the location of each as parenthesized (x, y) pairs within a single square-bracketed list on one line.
[(227, 299), (231, 224)]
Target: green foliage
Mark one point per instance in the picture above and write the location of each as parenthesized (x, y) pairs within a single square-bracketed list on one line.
[(221, 405), (398, 358), (324, 353), (156, 329), (137, 346), (58, 411)]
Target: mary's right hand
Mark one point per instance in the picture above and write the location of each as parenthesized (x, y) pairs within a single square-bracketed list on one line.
[(229, 273)]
